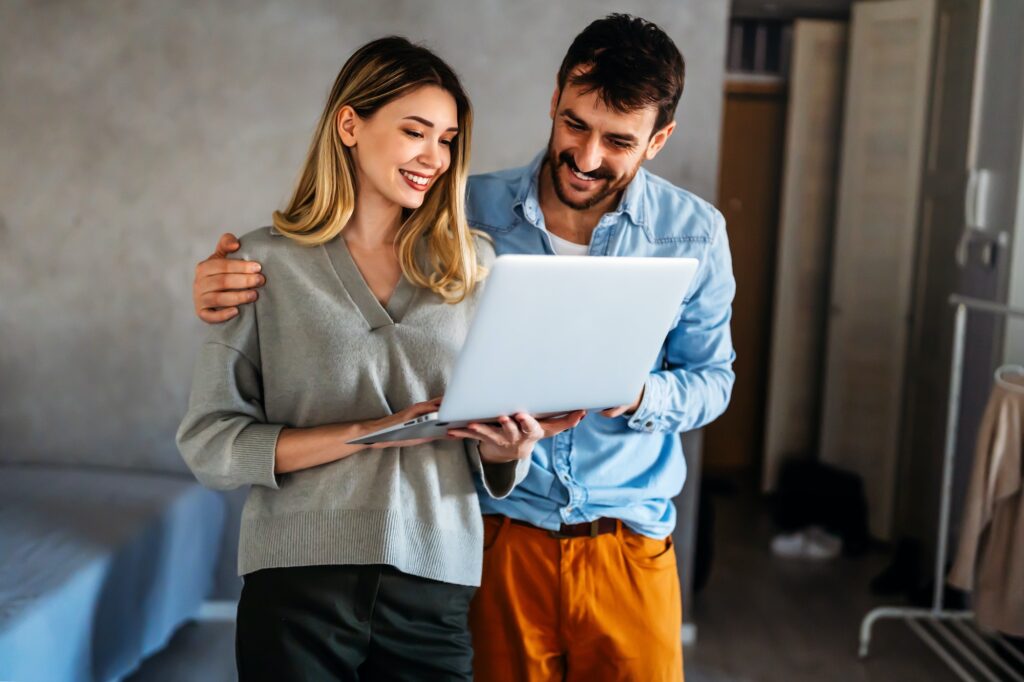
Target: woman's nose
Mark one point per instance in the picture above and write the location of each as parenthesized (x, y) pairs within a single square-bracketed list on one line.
[(431, 157)]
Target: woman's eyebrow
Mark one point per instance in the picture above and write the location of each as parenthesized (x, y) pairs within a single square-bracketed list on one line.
[(429, 124)]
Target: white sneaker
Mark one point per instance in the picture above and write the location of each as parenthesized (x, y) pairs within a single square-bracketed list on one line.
[(812, 543)]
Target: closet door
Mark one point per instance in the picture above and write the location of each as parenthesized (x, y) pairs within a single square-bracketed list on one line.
[(753, 124), (879, 186), (806, 219)]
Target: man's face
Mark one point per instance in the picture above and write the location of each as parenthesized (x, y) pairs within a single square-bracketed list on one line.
[(595, 151)]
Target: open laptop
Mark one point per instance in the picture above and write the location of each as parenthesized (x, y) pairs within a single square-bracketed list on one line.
[(553, 334)]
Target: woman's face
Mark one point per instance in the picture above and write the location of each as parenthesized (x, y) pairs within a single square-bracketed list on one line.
[(402, 150)]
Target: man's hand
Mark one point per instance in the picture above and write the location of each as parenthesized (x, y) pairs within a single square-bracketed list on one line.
[(221, 283), (624, 409)]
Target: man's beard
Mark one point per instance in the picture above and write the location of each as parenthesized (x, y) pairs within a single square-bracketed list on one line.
[(555, 161)]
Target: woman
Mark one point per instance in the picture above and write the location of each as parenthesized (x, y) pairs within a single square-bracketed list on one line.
[(358, 563)]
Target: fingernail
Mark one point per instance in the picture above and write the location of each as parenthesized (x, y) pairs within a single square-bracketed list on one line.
[(252, 296), (256, 267)]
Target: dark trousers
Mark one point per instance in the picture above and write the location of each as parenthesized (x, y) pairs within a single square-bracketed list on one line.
[(351, 623)]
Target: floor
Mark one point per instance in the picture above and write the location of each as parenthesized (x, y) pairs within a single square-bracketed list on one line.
[(759, 619), (766, 619)]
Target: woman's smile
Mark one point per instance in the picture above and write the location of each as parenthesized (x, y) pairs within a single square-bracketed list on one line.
[(420, 183)]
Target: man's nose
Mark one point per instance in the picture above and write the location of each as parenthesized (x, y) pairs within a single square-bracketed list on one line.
[(589, 157)]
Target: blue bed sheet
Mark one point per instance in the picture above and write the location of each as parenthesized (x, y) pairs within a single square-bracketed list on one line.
[(98, 567)]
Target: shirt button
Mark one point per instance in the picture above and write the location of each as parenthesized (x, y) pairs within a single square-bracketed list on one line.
[(568, 510), (649, 426)]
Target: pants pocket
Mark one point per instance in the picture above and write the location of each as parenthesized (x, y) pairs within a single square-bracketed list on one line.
[(647, 552)]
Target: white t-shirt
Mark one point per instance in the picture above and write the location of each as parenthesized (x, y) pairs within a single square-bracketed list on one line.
[(564, 247)]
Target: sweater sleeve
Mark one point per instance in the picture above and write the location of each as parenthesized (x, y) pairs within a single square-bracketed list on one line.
[(499, 479), (225, 438)]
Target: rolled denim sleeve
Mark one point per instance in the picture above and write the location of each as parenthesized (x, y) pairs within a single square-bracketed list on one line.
[(696, 383)]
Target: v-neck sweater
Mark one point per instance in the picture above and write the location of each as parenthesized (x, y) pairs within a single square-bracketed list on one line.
[(317, 347)]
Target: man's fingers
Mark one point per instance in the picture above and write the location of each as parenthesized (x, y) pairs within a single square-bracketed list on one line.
[(463, 433), (228, 243), (212, 267), (216, 316), (232, 282), (226, 299)]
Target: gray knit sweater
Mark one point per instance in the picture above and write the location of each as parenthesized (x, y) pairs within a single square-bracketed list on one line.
[(318, 348)]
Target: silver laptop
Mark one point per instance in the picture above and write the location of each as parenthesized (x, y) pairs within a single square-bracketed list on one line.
[(553, 334)]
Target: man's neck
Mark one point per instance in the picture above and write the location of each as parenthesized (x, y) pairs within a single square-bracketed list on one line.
[(564, 221)]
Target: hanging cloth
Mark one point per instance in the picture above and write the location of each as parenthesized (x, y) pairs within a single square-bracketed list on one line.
[(990, 558)]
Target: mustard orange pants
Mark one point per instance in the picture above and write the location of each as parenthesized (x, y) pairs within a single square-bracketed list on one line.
[(579, 609)]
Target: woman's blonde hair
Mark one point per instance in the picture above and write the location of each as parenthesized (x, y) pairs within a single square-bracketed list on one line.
[(324, 199)]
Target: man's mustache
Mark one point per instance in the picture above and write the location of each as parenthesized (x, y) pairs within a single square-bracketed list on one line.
[(601, 173)]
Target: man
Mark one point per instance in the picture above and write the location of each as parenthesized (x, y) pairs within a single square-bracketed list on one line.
[(579, 578)]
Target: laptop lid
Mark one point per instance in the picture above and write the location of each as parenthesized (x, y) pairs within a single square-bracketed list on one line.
[(557, 333)]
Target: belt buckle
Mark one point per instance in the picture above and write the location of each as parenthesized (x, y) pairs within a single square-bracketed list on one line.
[(594, 527)]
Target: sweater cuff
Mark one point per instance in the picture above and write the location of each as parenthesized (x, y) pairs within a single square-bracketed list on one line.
[(254, 453), (499, 479)]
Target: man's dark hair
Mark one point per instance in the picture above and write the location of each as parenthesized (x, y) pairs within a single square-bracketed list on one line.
[(630, 63)]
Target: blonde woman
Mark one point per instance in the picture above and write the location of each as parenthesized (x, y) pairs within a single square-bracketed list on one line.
[(358, 562)]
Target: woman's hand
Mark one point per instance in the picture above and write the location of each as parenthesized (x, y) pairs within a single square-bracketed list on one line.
[(514, 439), (409, 413)]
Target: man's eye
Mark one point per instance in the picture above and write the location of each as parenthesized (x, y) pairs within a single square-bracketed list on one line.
[(574, 126), (619, 144)]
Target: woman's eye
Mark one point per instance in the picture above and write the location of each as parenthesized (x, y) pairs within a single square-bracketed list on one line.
[(414, 133), (448, 143)]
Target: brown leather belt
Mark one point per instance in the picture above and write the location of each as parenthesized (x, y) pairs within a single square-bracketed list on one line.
[(590, 529)]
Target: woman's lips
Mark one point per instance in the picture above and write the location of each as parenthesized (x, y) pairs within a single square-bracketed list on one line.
[(412, 183)]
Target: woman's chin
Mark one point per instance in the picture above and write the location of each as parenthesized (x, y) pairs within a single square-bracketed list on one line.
[(410, 201)]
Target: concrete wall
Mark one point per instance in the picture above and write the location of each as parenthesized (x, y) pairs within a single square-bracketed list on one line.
[(132, 134)]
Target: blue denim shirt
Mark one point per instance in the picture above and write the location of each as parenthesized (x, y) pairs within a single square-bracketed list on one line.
[(630, 467)]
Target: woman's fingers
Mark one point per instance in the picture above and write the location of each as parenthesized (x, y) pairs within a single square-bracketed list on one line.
[(426, 407), (556, 425), (511, 430), (529, 426), (489, 433)]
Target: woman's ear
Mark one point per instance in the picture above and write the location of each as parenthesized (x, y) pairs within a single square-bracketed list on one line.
[(348, 121)]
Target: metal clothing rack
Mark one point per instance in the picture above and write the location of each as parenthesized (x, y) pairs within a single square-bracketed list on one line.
[(953, 635)]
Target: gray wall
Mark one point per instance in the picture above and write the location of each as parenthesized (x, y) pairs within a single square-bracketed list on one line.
[(132, 134)]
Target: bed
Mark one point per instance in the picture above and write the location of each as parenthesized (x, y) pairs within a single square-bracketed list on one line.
[(99, 567)]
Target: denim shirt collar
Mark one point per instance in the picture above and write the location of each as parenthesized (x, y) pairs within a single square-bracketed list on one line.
[(527, 201)]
